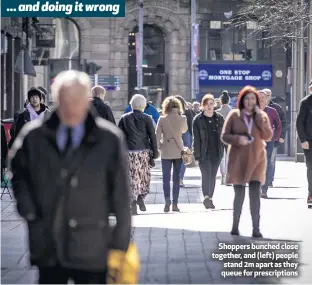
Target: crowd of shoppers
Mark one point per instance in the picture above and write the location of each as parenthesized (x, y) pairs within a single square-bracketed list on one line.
[(69, 232)]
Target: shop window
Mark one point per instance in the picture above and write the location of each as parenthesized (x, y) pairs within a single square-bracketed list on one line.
[(66, 39), (222, 41)]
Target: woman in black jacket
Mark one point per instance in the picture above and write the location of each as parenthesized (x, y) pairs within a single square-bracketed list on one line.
[(207, 146), (141, 140), (186, 137)]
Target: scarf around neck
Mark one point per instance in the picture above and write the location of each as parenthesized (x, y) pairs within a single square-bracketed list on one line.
[(33, 114)]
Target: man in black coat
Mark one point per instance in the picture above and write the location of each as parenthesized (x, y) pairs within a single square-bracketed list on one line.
[(103, 110), (33, 110), (304, 130), (69, 172), (283, 119)]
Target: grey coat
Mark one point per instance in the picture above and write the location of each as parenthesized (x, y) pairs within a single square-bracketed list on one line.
[(71, 199), (224, 111)]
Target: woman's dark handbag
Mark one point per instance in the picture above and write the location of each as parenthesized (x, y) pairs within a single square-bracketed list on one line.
[(151, 161)]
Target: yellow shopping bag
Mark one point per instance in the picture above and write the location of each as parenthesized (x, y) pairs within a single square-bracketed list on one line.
[(123, 267)]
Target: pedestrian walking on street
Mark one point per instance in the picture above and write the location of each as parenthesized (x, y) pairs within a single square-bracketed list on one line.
[(196, 108), (246, 130), (141, 140), (207, 146), (169, 130), (281, 140), (224, 111), (277, 130), (12, 129), (69, 172), (33, 110), (102, 109), (44, 95), (149, 110), (188, 135), (304, 130)]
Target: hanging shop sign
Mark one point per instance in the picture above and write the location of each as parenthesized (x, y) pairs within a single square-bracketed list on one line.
[(46, 36)]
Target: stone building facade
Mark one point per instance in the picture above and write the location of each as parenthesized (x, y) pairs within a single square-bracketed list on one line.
[(105, 42)]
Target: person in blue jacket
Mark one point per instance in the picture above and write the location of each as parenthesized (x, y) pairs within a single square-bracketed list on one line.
[(149, 110)]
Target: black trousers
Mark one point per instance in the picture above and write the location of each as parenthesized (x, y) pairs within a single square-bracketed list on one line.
[(209, 169), (308, 158), (61, 275), (254, 199)]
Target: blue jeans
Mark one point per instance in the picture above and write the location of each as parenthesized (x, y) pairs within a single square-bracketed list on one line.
[(269, 149), (187, 141), (166, 171), (273, 160)]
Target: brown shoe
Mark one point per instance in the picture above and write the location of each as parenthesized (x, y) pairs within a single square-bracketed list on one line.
[(175, 208)]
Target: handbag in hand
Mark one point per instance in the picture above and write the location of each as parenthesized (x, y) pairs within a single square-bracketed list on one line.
[(186, 153)]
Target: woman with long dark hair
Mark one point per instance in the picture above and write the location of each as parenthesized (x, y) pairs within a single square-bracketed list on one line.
[(245, 131)]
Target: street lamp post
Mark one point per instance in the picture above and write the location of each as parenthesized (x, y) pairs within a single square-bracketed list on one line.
[(309, 67), (140, 55), (194, 32)]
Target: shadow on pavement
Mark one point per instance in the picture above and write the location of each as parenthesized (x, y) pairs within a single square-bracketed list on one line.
[(283, 198), (178, 256)]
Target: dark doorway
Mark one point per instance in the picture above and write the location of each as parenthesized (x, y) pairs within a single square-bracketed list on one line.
[(154, 77)]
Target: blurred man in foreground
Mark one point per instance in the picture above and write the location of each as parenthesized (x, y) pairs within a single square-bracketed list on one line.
[(66, 188)]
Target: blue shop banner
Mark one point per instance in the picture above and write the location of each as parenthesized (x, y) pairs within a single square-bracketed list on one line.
[(257, 75)]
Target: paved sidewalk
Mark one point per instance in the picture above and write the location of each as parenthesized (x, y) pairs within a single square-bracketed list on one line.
[(177, 247)]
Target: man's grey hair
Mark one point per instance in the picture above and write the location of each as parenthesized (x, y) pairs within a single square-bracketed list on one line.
[(98, 91), (138, 102), (267, 91), (68, 78), (196, 104)]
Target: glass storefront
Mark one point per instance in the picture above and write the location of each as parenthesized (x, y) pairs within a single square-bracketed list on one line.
[(154, 76), (219, 40)]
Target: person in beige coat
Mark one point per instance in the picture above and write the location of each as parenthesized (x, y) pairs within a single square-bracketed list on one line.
[(169, 130)]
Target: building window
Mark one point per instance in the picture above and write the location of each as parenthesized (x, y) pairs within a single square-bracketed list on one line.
[(222, 41)]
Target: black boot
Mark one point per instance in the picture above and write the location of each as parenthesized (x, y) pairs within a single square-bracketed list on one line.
[(141, 204), (235, 231), (254, 200), (134, 209), (256, 233), (167, 206)]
